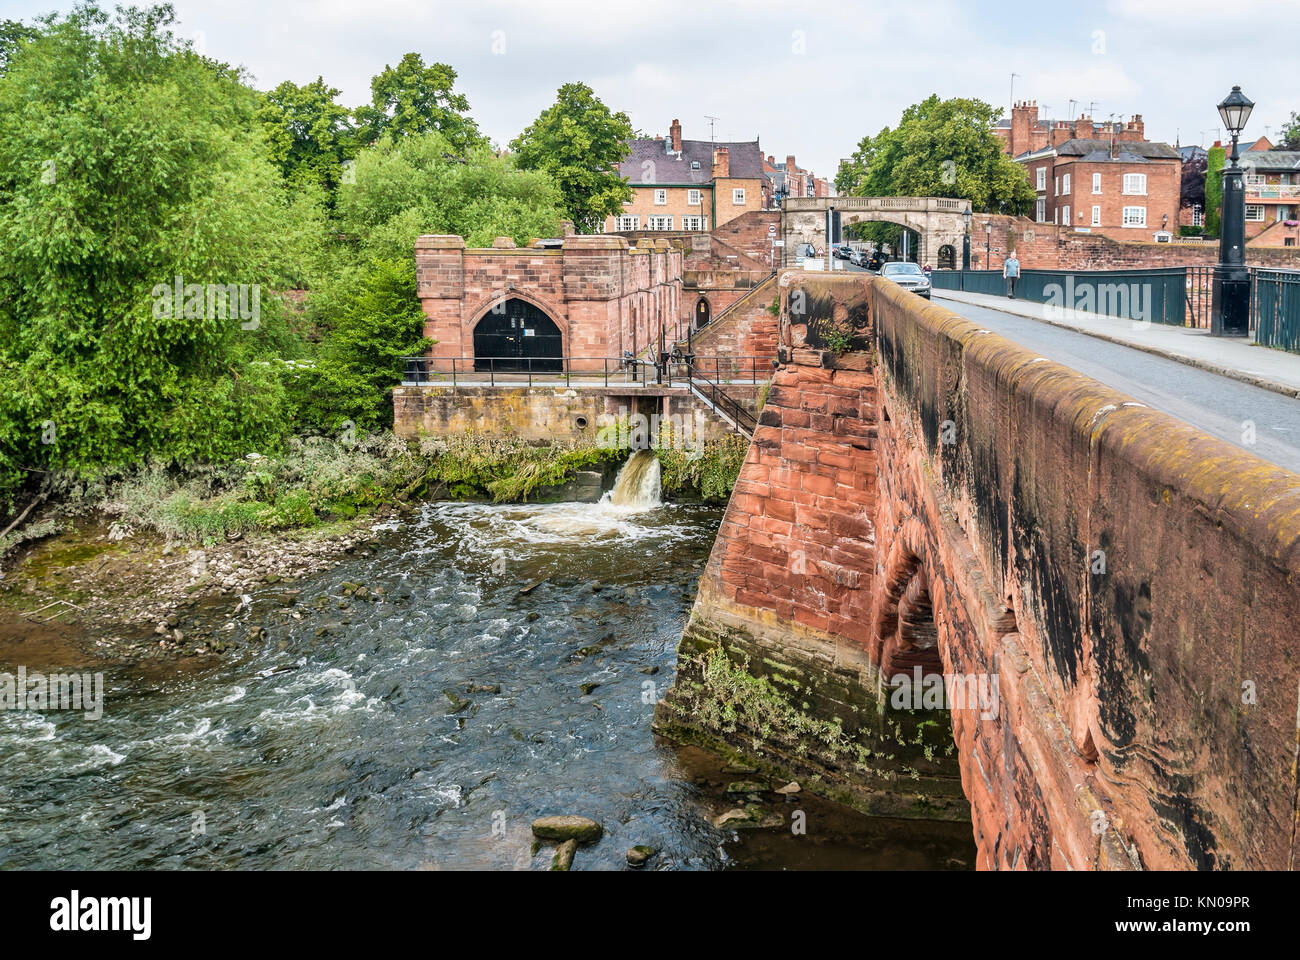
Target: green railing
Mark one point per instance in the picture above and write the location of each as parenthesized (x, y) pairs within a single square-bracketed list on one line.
[(1156, 296), (1275, 308)]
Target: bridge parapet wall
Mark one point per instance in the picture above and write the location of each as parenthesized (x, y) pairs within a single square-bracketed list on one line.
[(1152, 573)]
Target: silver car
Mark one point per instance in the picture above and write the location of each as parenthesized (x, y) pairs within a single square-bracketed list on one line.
[(908, 276)]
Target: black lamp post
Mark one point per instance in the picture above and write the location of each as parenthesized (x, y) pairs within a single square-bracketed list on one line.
[(988, 244), (1230, 314), (965, 240)]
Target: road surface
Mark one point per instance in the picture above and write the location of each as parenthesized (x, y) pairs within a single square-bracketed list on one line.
[(1218, 405)]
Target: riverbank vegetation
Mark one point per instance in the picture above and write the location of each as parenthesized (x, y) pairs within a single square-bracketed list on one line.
[(319, 479), (200, 272)]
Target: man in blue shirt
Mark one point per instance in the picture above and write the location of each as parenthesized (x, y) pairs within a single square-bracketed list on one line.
[(1011, 271)]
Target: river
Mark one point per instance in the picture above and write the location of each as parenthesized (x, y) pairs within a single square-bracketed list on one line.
[(428, 728)]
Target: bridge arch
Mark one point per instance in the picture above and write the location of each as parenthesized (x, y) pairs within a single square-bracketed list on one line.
[(938, 221)]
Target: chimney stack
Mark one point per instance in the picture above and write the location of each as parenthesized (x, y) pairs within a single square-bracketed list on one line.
[(721, 163), (675, 131)]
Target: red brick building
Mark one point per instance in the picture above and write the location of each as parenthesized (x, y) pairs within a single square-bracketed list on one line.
[(792, 180), (1125, 189), (1272, 193)]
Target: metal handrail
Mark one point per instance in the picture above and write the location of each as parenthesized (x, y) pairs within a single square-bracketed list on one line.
[(528, 370), (745, 421)]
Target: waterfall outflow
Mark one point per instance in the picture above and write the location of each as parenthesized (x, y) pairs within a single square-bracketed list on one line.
[(636, 487)]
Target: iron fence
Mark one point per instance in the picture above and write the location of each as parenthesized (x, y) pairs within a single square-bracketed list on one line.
[(1275, 308)]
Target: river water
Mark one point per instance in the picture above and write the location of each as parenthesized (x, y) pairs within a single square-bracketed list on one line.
[(428, 729)]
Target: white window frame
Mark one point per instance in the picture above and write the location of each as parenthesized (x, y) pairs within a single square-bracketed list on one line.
[(1042, 180), (1258, 207), (660, 222), (661, 198), (737, 196), (1065, 184), (693, 198), (1096, 215), (629, 222), (1056, 186), (1198, 215), (1040, 210), (1134, 217), (1096, 183), (1135, 184), (692, 222), (1065, 216)]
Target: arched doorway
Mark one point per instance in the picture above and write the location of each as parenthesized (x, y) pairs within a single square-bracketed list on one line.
[(702, 313), (947, 257), (516, 335)]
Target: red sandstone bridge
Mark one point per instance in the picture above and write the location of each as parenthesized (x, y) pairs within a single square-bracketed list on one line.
[(1115, 592)]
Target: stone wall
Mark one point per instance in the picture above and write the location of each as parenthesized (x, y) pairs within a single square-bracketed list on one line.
[(1046, 246), (546, 414)]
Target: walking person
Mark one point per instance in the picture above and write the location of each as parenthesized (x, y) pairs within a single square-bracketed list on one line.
[(1011, 271)]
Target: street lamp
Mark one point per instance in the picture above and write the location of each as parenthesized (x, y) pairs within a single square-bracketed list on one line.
[(1230, 314), (965, 240), (988, 244)]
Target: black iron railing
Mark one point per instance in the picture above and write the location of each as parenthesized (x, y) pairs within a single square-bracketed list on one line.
[(603, 371), (722, 401)]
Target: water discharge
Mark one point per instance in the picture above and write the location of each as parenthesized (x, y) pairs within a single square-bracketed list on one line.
[(428, 728)]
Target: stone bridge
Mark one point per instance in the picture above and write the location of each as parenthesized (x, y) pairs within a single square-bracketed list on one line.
[(937, 220), (1109, 596)]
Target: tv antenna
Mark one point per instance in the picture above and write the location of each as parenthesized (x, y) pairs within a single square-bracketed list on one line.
[(712, 121)]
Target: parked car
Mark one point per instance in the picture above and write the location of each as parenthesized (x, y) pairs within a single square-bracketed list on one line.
[(861, 256), (803, 252), (908, 276), (842, 251)]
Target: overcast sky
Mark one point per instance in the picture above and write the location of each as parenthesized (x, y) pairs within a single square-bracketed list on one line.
[(806, 79)]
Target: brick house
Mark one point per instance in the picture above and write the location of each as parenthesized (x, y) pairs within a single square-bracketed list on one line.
[(693, 185), (1272, 190), (792, 180), (1127, 189)]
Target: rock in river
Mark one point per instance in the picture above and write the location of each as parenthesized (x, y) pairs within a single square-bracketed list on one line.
[(563, 858), (559, 829), (638, 855)]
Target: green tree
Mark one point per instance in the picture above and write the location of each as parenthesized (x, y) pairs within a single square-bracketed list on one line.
[(414, 185), (412, 98), (13, 34), (1289, 139), (579, 143), (127, 161), (940, 148), (1214, 190), (310, 135), (375, 321)]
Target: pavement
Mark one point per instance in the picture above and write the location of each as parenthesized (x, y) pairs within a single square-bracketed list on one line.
[(1239, 359)]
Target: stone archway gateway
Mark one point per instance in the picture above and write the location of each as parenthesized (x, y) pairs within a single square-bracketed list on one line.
[(517, 335), (937, 221)]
